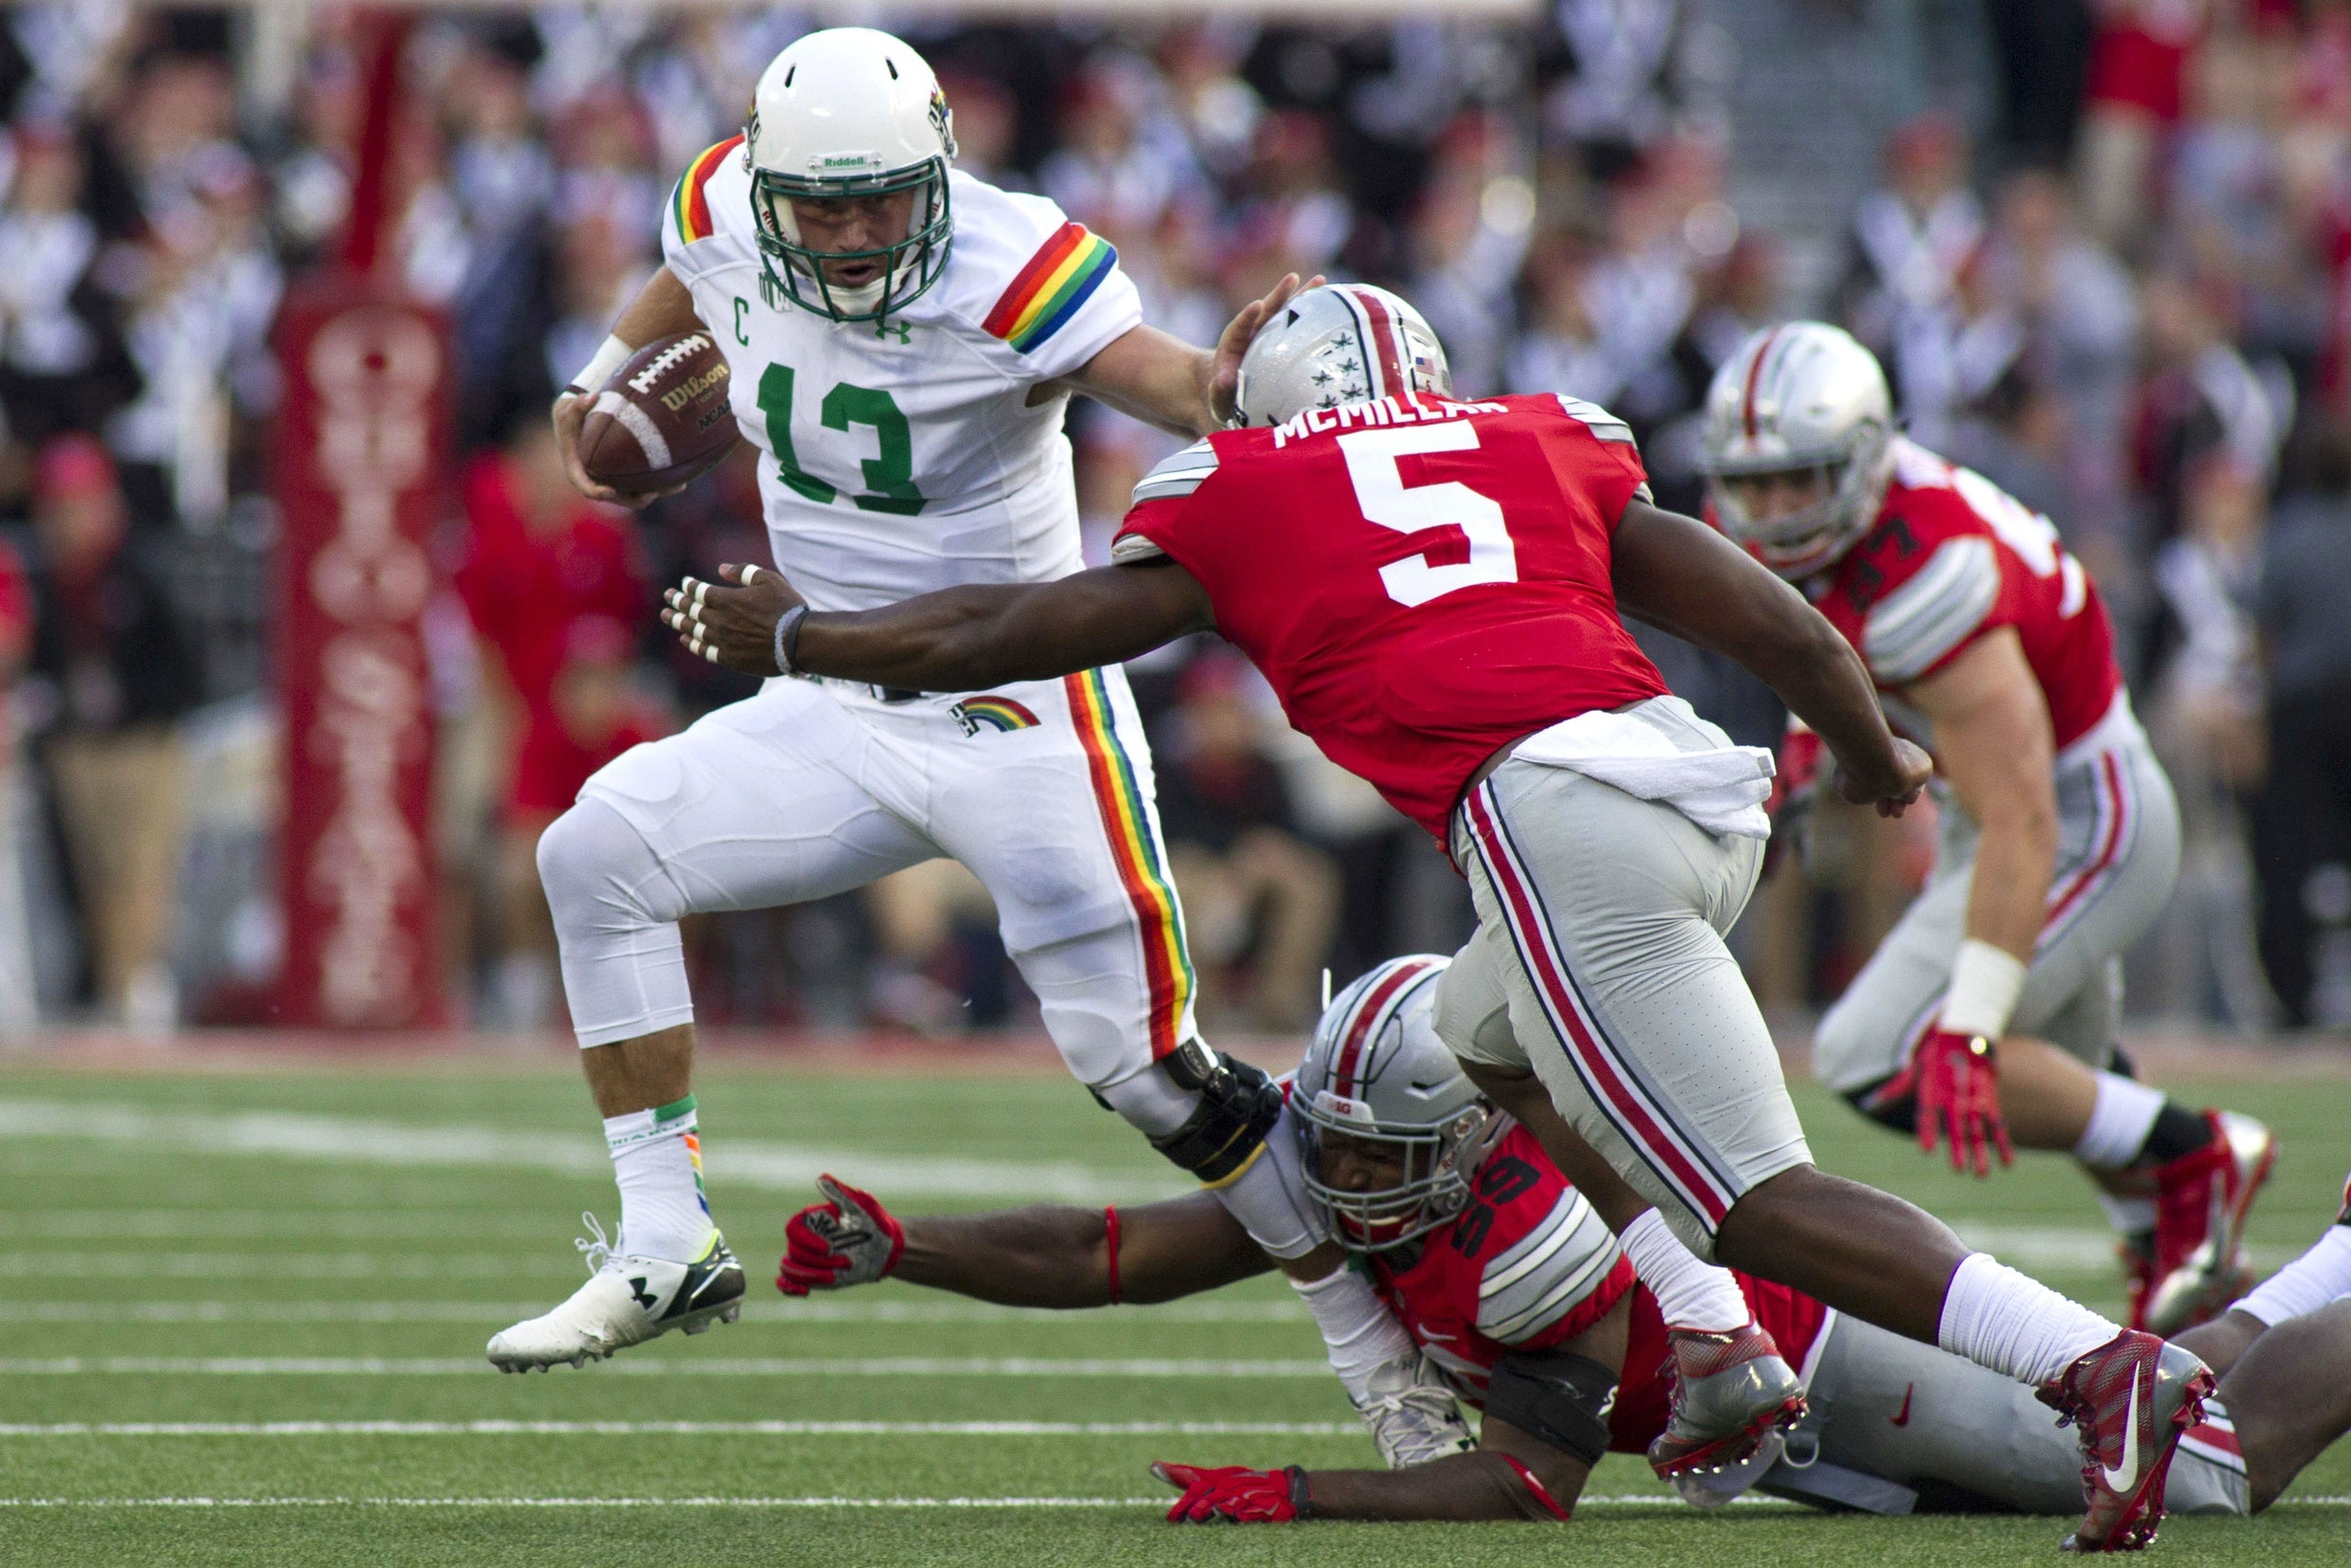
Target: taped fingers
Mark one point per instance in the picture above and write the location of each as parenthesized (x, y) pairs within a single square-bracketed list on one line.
[(685, 616)]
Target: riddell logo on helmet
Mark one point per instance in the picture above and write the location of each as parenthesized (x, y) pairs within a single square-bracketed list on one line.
[(829, 161)]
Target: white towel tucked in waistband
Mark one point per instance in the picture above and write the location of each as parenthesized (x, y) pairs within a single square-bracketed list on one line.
[(1646, 751)]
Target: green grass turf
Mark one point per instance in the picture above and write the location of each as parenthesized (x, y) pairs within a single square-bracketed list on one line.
[(106, 1241)]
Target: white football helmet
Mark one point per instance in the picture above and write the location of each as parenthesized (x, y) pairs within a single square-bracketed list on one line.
[(1339, 343), (1378, 1073), (1803, 395), (850, 112)]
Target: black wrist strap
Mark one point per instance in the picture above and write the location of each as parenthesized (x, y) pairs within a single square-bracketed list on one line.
[(1299, 1498)]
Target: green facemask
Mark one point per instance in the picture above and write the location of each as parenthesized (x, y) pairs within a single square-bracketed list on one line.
[(909, 267)]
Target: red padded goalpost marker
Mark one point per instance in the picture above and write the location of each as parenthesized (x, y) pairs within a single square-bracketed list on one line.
[(361, 456)]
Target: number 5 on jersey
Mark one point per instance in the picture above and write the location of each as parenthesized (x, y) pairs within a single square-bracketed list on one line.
[(1386, 500), (889, 474)]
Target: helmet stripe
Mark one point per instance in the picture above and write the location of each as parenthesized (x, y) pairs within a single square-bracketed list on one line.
[(1368, 1012), (1362, 320), (1755, 373), (1386, 337)]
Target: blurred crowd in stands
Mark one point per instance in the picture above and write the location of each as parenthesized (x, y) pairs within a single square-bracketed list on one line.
[(2122, 292)]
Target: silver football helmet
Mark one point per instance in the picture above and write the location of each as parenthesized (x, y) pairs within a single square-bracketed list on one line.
[(1803, 395), (1339, 343), (1377, 1074)]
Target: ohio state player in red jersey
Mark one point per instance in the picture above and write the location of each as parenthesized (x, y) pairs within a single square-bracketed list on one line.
[(2060, 840), (1497, 1266), (1430, 586)]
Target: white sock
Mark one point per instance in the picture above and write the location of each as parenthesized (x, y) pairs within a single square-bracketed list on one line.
[(1690, 1294), (657, 1162), (2130, 1216), (1357, 1329), (2120, 1120), (2319, 1278), (2014, 1325)]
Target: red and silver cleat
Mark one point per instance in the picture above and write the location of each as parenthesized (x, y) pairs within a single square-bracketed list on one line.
[(2133, 1397), (2201, 1203), (1731, 1392)]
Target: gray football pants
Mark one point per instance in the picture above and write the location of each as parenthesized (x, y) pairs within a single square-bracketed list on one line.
[(2118, 854), (1907, 1413), (1598, 962)]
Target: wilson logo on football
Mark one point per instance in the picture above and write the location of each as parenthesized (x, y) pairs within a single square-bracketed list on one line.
[(686, 392)]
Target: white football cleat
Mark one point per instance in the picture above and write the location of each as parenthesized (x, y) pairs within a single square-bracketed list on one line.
[(627, 1300)]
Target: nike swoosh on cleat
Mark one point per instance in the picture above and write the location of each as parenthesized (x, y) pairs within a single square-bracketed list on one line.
[(1901, 1416), (2120, 1476)]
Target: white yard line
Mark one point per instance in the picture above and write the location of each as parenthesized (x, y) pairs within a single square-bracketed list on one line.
[(290, 1266), (271, 1224), (746, 1162), (749, 1162), (581, 1502), (1632, 1500), (778, 1366), (1159, 1502), (491, 1312), (683, 1429)]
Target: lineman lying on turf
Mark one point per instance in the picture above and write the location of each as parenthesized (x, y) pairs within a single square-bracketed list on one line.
[(1522, 1299)]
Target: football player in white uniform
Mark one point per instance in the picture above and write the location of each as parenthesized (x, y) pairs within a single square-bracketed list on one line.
[(901, 341)]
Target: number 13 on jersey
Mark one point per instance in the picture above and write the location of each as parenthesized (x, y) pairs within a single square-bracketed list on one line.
[(889, 474), (1386, 500)]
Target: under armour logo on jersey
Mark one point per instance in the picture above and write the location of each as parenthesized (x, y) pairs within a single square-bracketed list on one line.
[(885, 327)]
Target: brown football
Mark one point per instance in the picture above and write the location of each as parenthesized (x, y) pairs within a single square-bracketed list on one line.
[(663, 419)]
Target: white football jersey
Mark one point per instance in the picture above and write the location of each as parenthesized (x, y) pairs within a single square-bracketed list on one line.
[(905, 457)]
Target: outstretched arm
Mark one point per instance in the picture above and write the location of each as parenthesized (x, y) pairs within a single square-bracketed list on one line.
[(1682, 576), (1165, 381), (1047, 1255), (1056, 1255), (958, 639)]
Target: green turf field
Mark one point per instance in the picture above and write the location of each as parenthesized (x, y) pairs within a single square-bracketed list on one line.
[(244, 1317)]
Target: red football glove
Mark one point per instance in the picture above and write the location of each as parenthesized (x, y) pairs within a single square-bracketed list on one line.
[(850, 1239), (1958, 1087), (1233, 1494)]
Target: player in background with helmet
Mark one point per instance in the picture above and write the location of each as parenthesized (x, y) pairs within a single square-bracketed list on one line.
[(1987, 1014), (1434, 590), (1498, 1268), (901, 341)]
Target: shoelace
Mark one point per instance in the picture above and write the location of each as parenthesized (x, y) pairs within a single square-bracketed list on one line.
[(598, 1252), (1431, 1436)]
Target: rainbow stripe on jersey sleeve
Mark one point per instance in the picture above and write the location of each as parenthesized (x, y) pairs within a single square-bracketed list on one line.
[(688, 202), (1058, 278)]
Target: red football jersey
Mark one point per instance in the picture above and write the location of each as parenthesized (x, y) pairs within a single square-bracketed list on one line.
[(1524, 1265), (1421, 580), (1527, 1266), (1953, 556)]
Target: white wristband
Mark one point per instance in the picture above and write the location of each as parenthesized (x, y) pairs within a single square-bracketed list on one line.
[(1985, 983), (611, 357)]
